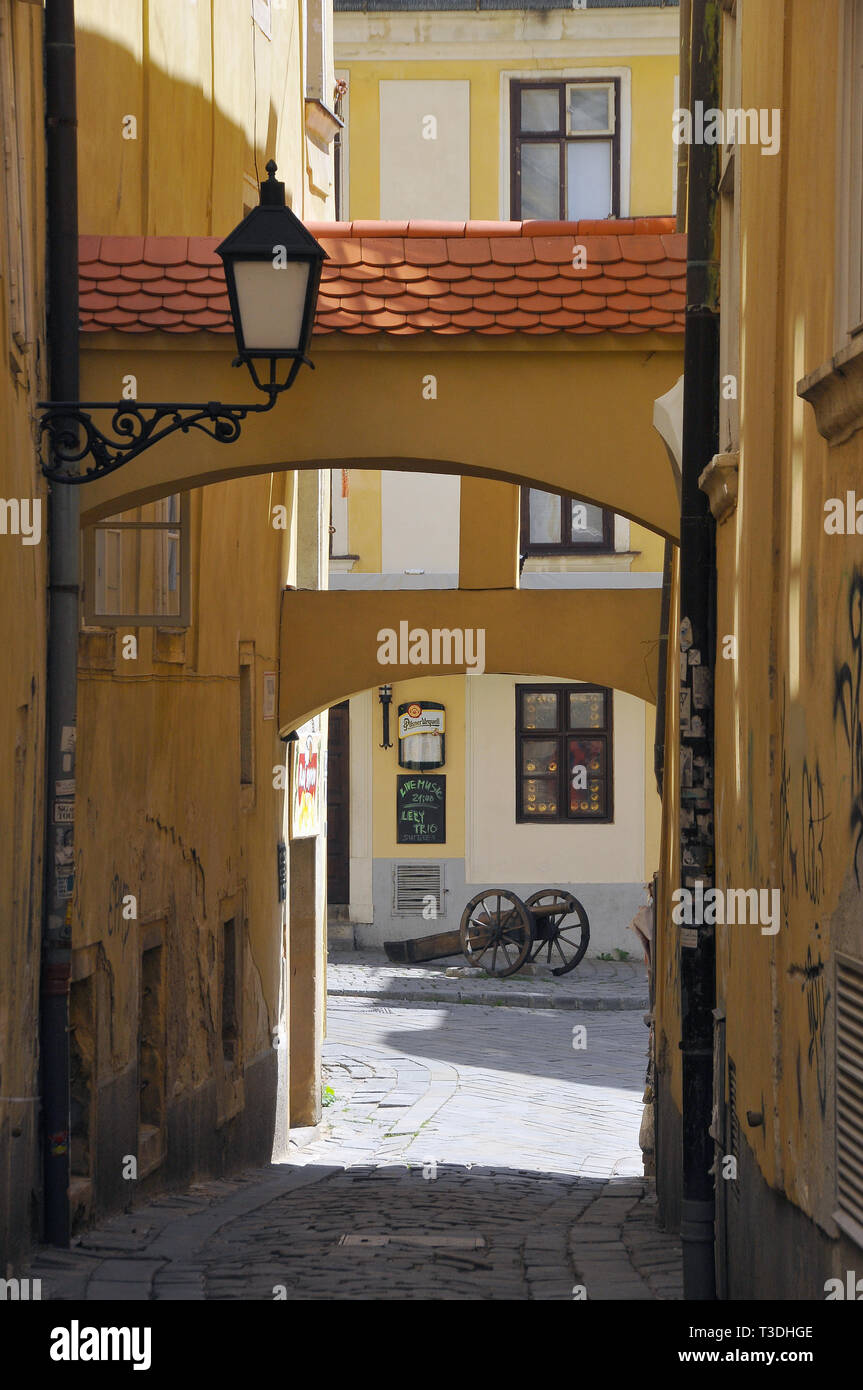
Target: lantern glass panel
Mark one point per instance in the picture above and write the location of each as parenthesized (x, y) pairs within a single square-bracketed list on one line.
[(271, 301)]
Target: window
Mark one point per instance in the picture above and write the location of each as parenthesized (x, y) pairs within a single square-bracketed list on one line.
[(230, 1028), (565, 149), (850, 268), (318, 52), (552, 525), (564, 753), (341, 101), (16, 268), (247, 730), (137, 567), (151, 1054)]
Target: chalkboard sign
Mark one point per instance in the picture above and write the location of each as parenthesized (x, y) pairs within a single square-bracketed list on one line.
[(421, 809)]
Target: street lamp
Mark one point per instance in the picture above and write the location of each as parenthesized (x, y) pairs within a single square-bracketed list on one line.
[(272, 273), (385, 695)]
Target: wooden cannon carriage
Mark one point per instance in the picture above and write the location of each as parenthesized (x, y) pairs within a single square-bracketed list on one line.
[(500, 933)]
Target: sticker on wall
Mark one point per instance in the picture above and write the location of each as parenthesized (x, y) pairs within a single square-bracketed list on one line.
[(269, 695), (64, 886), (306, 787), (422, 726)]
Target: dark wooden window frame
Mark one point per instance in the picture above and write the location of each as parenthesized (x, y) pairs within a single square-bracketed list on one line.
[(566, 545), (516, 136), (563, 732)]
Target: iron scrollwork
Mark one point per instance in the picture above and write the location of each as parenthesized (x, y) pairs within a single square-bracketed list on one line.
[(74, 436)]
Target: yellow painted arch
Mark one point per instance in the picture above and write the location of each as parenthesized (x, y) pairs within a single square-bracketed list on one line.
[(554, 413), (329, 641)]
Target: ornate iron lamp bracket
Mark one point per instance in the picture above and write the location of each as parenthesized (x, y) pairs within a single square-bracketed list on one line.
[(73, 436)]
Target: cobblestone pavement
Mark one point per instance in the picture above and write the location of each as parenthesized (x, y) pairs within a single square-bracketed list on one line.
[(594, 984), (468, 1153)]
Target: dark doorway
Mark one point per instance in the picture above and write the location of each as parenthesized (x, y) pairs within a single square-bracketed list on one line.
[(338, 806)]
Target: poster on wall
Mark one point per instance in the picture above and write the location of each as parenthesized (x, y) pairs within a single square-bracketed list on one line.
[(306, 786), (421, 809)]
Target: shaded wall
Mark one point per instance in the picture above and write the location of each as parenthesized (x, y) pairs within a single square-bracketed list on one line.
[(23, 576)]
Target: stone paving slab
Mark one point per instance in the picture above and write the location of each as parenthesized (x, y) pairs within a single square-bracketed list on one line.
[(595, 985), (517, 1177)]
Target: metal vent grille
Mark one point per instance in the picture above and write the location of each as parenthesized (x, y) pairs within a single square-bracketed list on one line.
[(413, 885), (849, 1086), (733, 1125)]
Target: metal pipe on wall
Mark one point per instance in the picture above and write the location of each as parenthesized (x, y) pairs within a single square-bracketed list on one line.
[(62, 650), (697, 649)]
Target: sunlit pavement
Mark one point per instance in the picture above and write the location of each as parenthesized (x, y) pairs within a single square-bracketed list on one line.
[(467, 1151)]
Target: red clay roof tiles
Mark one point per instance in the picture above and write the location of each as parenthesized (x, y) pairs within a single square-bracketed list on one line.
[(405, 278)]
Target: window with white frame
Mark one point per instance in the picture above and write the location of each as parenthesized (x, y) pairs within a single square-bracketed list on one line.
[(565, 148)]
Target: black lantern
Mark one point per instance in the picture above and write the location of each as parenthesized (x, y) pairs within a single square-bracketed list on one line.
[(385, 695), (272, 271)]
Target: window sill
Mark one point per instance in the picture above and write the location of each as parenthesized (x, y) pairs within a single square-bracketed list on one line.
[(619, 561), (835, 392), (169, 645), (342, 564), (322, 124), (97, 648)]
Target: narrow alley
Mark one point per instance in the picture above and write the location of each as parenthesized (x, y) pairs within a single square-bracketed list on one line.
[(468, 1150)]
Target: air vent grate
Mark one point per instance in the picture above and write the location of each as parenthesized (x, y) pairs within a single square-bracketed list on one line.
[(849, 1086), (413, 886), (733, 1126)]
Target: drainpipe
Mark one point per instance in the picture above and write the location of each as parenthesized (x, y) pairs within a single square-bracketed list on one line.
[(662, 677), (683, 102), (697, 944), (62, 651)]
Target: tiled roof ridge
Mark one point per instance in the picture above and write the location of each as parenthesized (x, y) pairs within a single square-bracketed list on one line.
[(413, 277), (609, 226)]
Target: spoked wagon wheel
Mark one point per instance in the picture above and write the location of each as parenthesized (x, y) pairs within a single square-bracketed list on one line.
[(496, 932), (559, 942)]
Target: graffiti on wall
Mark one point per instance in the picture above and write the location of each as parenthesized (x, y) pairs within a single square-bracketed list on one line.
[(813, 818), (788, 851), (847, 712), (814, 987)]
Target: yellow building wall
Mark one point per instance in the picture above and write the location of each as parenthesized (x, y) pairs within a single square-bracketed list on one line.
[(652, 89), (649, 548), (364, 519), (23, 575), (788, 722), (212, 99), (161, 813)]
